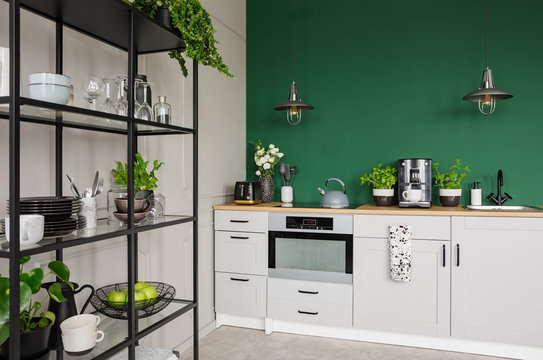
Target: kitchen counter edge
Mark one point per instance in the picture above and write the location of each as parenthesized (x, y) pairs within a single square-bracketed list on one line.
[(369, 209)]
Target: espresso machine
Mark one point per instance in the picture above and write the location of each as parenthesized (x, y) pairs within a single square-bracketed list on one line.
[(415, 183)]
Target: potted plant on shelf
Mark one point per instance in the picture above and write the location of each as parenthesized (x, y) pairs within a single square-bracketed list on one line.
[(144, 182), (194, 24), (383, 180), (35, 330), (450, 189), (266, 159)]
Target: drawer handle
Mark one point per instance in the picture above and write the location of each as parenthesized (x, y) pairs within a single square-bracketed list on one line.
[(457, 254), (246, 237), (308, 312), (239, 221), (308, 292), (444, 256), (237, 279)]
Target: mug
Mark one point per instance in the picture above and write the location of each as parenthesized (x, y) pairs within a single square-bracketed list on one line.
[(4, 71), (79, 324), (81, 341), (30, 229), (412, 195)]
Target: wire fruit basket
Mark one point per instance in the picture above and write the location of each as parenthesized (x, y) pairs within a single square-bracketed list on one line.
[(144, 308)]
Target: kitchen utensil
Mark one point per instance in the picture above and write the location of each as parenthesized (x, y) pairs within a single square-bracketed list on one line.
[(74, 188), (287, 174), (95, 184), (293, 171), (100, 186), (334, 199), (415, 174), (247, 192), (137, 216), (282, 171), (412, 195)]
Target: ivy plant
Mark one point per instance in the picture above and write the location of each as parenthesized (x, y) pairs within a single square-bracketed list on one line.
[(380, 178), (451, 179), (194, 24), (30, 284), (143, 180)]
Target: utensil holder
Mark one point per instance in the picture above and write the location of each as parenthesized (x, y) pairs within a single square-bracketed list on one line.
[(89, 211), (286, 194)]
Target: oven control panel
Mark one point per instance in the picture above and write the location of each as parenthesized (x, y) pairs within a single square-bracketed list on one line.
[(317, 223)]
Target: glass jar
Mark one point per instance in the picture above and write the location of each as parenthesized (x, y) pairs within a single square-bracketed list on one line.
[(116, 191), (162, 111), (157, 206)]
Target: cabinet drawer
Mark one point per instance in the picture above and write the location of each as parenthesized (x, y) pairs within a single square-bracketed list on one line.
[(252, 221), (422, 227), (313, 291), (240, 294), (310, 312), (239, 252)]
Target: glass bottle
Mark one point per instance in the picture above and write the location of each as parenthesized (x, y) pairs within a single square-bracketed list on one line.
[(162, 111)]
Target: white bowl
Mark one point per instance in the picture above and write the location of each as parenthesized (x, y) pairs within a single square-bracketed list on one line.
[(49, 78), (58, 94)]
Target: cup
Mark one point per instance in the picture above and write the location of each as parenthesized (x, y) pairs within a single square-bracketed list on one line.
[(286, 194), (89, 211), (412, 195), (79, 324), (30, 229), (4, 71), (81, 342)]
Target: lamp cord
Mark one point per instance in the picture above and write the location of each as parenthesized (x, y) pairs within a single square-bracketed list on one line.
[(487, 34), (293, 39)]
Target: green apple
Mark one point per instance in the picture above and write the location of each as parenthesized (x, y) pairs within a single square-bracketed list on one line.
[(116, 299), (140, 285), (150, 293), (140, 299)]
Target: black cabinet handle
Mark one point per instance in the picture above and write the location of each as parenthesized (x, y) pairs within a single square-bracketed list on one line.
[(308, 292), (308, 312), (457, 254), (443, 255), (236, 279), (239, 237), (239, 221)]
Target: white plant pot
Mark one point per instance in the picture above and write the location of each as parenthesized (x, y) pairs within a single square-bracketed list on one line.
[(383, 197), (450, 197)]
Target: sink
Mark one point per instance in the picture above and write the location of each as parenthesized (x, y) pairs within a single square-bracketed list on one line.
[(503, 208)]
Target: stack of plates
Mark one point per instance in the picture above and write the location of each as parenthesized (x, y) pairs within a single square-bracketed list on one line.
[(57, 210)]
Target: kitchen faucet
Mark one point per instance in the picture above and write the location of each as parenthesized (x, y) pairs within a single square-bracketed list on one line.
[(499, 200)]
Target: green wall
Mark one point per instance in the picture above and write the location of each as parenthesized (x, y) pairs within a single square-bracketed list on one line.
[(387, 79)]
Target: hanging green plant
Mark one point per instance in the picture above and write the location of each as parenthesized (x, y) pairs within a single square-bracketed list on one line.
[(194, 24)]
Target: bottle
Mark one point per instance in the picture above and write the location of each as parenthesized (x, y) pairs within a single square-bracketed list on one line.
[(476, 194), (162, 111)]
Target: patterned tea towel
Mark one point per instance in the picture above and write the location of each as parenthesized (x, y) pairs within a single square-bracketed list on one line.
[(399, 246)]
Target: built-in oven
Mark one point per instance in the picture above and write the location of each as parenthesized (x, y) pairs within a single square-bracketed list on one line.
[(311, 246)]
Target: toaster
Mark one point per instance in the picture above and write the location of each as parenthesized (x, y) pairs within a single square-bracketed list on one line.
[(247, 193)]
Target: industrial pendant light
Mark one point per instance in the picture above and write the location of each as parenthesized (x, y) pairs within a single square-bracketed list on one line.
[(487, 94), (294, 106)]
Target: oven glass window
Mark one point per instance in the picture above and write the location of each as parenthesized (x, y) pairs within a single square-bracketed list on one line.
[(310, 254)]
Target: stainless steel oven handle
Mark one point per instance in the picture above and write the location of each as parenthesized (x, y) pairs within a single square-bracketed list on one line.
[(308, 292), (308, 312)]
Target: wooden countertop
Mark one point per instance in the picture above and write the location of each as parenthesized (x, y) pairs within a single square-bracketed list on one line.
[(370, 209)]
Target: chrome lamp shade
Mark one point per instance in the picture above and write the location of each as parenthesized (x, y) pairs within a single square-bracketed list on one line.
[(487, 94), (294, 106)]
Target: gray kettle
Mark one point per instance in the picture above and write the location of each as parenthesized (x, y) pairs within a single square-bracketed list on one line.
[(334, 199)]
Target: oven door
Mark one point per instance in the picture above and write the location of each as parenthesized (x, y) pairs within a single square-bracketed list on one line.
[(311, 256)]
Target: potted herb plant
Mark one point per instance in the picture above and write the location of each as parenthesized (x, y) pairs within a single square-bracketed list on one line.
[(383, 180), (144, 181), (194, 24), (266, 159), (35, 330), (449, 183)]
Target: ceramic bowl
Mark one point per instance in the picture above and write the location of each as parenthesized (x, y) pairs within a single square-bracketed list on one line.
[(140, 205), (137, 216), (58, 94), (49, 78)]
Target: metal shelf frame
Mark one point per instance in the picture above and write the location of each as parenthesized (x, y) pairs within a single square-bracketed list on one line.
[(138, 32)]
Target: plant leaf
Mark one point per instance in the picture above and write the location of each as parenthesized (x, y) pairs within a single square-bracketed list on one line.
[(4, 332), (55, 291), (32, 282), (61, 271), (48, 315), (26, 295), (24, 260)]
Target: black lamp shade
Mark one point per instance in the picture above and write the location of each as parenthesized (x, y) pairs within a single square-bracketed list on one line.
[(293, 101)]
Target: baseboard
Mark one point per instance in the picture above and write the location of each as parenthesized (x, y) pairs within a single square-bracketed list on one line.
[(188, 343), (239, 321)]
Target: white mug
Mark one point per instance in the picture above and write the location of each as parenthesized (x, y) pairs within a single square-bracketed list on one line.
[(4, 71), (81, 342), (78, 324), (30, 229), (412, 195), (286, 194)]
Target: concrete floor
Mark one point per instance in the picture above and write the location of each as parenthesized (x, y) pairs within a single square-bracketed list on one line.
[(231, 343)]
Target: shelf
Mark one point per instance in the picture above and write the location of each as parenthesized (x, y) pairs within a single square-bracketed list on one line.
[(116, 331), (45, 113), (108, 21), (103, 231)]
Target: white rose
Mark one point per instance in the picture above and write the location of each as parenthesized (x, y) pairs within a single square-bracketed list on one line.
[(266, 158), (272, 159), (280, 155), (258, 173), (266, 166), (272, 146), (260, 152), (274, 151), (258, 163)]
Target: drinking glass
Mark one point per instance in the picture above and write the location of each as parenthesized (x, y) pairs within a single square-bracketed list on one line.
[(121, 105), (92, 88), (145, 111), (110, 92)]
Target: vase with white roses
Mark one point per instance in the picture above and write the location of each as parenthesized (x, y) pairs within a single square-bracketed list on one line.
[(266, 159)]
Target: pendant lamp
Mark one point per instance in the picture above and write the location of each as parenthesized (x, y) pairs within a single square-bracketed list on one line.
[(487, 94), (294, 106)]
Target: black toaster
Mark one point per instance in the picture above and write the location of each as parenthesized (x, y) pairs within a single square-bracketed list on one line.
[(247, 193)]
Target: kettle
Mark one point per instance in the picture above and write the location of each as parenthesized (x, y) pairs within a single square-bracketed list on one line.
[(334, 199)]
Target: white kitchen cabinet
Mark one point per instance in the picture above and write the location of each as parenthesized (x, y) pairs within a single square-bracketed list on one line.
[(240, 294), (421, 306), (248, 221), (422, 227), (497, 280), (239, 252)]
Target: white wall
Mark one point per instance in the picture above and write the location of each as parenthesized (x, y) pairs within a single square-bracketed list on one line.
[(164, 255)]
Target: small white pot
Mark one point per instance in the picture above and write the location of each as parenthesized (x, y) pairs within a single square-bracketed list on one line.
[(450, 192), (383, 192), (286, 194), (450, 197), (383, 197)]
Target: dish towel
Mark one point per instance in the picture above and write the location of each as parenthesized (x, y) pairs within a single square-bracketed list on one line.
[(399, 246)]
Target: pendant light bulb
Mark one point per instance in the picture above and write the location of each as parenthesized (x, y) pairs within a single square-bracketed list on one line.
[(294, 115), (487, 105)]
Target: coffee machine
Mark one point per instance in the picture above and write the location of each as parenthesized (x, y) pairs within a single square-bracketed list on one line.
[(415, 183)]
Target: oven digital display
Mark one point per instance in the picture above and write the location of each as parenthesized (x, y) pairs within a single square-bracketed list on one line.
[(298, 222)]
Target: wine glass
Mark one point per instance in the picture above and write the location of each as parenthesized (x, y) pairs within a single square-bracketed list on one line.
[(145, 112), (92, 88), (110, 90), (121, 105)]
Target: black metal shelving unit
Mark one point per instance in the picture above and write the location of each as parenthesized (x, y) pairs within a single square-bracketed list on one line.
[(115, 23)]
